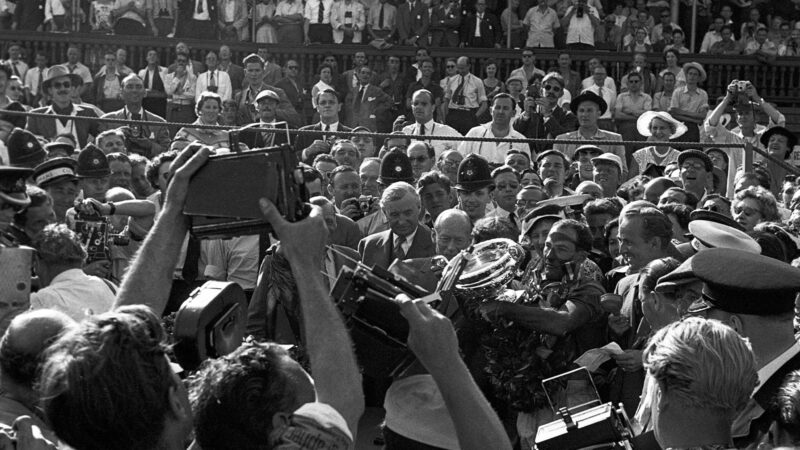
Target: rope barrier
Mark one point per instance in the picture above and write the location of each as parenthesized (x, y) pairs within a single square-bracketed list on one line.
[(414, 137)]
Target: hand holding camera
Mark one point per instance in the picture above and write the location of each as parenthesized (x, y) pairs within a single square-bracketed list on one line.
[(351, 209)]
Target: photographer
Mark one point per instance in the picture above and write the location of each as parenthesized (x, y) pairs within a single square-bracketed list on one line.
[(542, 117), (743, 95), (580, 21)]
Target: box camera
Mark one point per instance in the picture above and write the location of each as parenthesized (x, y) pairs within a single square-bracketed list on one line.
[(223, 195)]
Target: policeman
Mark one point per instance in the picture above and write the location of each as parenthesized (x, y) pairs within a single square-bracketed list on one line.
[(755, 295), (58, 177), (395, 166), (473, 185), (708, 234), (12, 198), (24, 150)]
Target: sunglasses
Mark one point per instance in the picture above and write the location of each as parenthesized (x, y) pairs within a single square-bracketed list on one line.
[(293, 67), (451, 67), (64, 84), (550, 87), (419, 159)]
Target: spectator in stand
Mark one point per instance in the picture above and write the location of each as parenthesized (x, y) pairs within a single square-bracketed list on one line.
[(727, 45), (580, 21), (153, 76), (348, 21), (413, 20), (162, 15), (791, 47), (233, 20), (628, 107), (481, 29), (235, 72), (639, 43), (690, 103), (749, 28), (317, 24), (640, 66), (201, 19), (761, 46), (180, 88), (294, 87), (325, 83), (665, 23), (542, 117), (450, 71), (422, 107), (754, 205), (590, 80), (528, 68), (491, 84), (16, 92), (678, 42), (193, 67), (367, 106), (541, 23), (510, 15), (34, 78), (426, 82), (671, 60), (658, 127), (130, 17), (100, 18), (382, 21), (713, 35), (214, 80), (55, 14), (263, 13), (272, 70), (599, 77), (289, 19), (572, 80), (503, 107), (465, 97), (394, 84), (209, 105), (18, 66), (75, 66), (608, 35), (29, 16), (107, 86)]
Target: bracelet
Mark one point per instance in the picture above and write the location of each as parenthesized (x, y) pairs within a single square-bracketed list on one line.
[(112, 208)]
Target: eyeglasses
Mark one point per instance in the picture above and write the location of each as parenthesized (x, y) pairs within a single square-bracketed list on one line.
[(630, 81), (527, 56), (451, 67), (550, 87), (64, 84), (695, 166), (292, 67), (419, 159)]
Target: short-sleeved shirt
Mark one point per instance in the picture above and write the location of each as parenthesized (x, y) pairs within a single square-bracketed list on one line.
[(131, 14), (474, 92), (580, 29), (600, 135), (693, 101), (494, 152), (640, 102), (541, 27), (288, 9)]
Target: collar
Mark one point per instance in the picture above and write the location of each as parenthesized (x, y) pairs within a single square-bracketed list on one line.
[(129, 113), (766, 372), (409, 239), (428, 125), (68, 275)]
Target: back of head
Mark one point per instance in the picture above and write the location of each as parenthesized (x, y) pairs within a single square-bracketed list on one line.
[(113, 362), (703, 364), (25, 340), (57, 245), (494, 227), (235, 397)]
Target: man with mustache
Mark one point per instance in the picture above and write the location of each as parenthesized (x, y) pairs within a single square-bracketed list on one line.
[(542, 117)]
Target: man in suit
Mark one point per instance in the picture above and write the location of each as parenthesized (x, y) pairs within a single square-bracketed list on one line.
[(235, 72), (293, 86), (328, 107), (413, 21), (406, 238), (153, 76), (266, 105), (367, 106), (395, 166), (146, 140), (199, 19), (350, 76), (274, 309), (60, 85), (482, 29), (213, 80), (194, 67), (253, 84)]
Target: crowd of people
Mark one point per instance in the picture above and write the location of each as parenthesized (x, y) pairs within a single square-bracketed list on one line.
[(696, 213), (766, 29)]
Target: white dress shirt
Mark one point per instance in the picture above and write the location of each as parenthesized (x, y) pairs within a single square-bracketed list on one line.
[(222, 81), (435, 129), (76, 294), (494, 152)]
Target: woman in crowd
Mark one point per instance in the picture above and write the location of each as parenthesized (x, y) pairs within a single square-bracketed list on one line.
[(656, 126), (208, 111), (491, 84), (264, 11), (674, 67), (754, 205), (639, 43), (325, 82)]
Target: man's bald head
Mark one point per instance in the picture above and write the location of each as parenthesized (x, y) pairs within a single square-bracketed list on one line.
[(27, 337), (655, 187), (453, 230), (328, 213)]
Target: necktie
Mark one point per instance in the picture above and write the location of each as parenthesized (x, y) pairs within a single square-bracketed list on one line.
[(71, 69), (136, 116), (326, 128), (422, 129), (380, 19), (41, 80), (459, 94), (147, 79), (189, 271), (199, 6), (157, 83), (212, 81), (357, 100), (14, 66), (398, 251), (478, 25), (321, 13)]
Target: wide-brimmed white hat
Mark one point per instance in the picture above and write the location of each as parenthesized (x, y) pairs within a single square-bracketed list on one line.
[(643, 123)]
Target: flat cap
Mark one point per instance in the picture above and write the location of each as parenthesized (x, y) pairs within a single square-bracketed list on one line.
[(541, 212), (698, 154)]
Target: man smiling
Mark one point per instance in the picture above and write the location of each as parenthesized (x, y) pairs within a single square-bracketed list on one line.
[(473, 186)]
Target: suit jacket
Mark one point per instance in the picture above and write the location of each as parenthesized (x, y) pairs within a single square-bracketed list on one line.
[(186, 11), (376, 249), (267, 319), (272, 73), (246, 110), (417, 271), (304, 141), (535, 127), (255, 138), (236, 74), (162, 72), (295, 94), (82, 129), (414, 22), (491, 33), (374, 104), (347, 233), (358, 20), (96, 95), (157, 135)]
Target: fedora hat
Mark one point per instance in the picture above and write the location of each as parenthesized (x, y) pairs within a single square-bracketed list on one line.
[(643, 123), (60, 71), (698, 66), (588, 96)]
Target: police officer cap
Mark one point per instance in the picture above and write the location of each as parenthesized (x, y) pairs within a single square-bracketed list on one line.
[(541, 212), (739, 282), (56, 149), (692, 153), (55, 170), (713, 216), (92, 163), (395, 166), (590, 149), (24, 150), (473, 173), (12, 185)]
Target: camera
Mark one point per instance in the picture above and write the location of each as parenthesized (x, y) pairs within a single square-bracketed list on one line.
[(741, 86), (579, 10), (365, 203), (223, 195)]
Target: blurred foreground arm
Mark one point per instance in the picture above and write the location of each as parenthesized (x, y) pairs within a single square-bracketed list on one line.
[(150, 278), (433, 340), (333, 363)]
